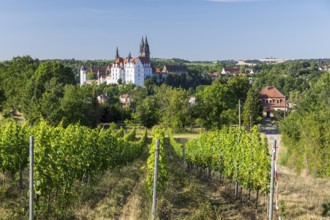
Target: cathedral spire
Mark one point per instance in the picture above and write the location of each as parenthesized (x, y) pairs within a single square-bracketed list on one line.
[(142, 45), (146, 49), (129, 55), (146, 41), (117, 53)]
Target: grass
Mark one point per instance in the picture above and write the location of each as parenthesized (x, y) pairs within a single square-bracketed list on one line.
[(302, 196), (111, 194)]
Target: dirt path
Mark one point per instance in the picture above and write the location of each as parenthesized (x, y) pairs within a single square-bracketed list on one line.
[(271, 138), (130, 210)]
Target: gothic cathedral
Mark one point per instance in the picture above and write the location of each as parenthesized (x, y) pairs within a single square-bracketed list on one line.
[(126, 70)]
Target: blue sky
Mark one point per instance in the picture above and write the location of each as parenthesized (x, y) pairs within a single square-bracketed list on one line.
[(188, 29)]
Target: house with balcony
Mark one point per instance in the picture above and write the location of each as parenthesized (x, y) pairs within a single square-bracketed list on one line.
[(272, 100)]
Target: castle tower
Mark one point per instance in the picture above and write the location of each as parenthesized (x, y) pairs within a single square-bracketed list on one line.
[(83, 75)]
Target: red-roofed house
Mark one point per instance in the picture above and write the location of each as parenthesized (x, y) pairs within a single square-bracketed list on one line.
[(272, 100), (230, 71)]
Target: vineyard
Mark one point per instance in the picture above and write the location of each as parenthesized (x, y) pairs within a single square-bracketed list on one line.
[(65, 160), (235, 154), (222, 174)]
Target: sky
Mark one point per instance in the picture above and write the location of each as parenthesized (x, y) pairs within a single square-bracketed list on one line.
[(188, 29)]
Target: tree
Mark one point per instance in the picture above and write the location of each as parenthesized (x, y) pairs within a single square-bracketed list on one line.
[(174, 107), (252, 108), (147, 112), (49, 105), (216, 105), (91, 76), (52, 69), (14, 75), (305, 132), (79, 104), (41, 94), (239, 85), (138, 95)]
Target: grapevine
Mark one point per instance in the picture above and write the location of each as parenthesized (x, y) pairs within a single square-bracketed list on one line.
[(64, 158), (235, 153)]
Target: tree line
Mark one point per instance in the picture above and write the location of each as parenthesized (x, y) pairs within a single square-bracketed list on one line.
[(48, 90)]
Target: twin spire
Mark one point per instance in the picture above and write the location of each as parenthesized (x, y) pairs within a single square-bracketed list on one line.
[(144, 49)]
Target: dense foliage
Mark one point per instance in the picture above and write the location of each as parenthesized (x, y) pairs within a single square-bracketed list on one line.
[(217, 105), (290, 77), (65, 158), (235, 153), (157, 133), (306, 132)]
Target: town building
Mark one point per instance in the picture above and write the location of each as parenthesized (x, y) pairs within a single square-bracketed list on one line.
[(272, 100), (125, 100), (160, 73), (175, 69), (230, 71)]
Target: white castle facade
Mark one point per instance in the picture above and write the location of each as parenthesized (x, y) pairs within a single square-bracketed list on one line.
[(125, 70)]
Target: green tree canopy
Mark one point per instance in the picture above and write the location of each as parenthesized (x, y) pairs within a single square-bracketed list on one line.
[(306, 132), (216, 105), (252, 109)]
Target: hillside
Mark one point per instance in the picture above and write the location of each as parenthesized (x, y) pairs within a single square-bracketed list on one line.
[(120, 193)]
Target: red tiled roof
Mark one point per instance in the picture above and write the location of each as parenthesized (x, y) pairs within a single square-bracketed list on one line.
[(272, 98), (126, 60), (119, 60), (101, 70), (143, 60), (232, 70), (270, 92)]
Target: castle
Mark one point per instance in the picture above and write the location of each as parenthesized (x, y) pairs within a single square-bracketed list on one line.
[(125, 70)]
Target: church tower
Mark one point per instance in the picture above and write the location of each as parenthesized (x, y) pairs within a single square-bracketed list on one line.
[(144, 48)]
